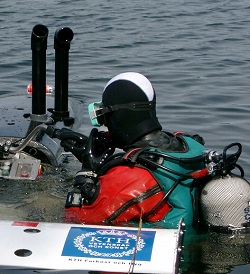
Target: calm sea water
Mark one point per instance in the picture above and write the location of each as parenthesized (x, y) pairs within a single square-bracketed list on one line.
[(196, 53)]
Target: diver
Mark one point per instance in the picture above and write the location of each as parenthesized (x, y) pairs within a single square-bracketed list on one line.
[(149, 176), (135, 170)]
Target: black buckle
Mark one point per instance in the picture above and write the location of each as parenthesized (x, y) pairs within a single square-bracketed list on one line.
[(74, 198)]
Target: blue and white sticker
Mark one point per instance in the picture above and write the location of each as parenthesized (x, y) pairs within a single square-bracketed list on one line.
[(108, 243)]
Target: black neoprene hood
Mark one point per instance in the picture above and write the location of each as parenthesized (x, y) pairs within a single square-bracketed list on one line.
[(128, 125)]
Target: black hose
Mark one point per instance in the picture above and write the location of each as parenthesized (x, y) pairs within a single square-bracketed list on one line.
[(165, 197), (196, 159)]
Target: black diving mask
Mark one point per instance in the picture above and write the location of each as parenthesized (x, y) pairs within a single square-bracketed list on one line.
[(97, 110)]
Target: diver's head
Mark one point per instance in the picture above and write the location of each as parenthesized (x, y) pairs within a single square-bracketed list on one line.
[(225, 202), (127, 108)]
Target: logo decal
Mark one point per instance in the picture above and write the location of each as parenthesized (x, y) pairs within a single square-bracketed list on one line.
[(108, 243)]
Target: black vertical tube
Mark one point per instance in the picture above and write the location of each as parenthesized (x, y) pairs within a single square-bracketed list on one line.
[(62, 39), (39, 46)]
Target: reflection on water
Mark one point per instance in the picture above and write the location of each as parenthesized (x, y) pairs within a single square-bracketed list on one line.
[(215, 252), (40, 200)]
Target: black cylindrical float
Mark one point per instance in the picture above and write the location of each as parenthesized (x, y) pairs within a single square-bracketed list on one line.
[(62, 39), (39, 46)]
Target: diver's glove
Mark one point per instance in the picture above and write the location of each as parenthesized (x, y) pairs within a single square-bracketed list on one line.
[(72, 141), (86, 185)]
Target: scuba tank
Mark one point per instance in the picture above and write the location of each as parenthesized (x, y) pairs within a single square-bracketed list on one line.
[(225, 199)]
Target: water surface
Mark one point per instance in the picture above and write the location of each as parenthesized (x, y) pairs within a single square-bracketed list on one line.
[(195, 53)]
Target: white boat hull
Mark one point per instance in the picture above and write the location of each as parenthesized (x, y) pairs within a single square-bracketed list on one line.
[(53, 248)]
